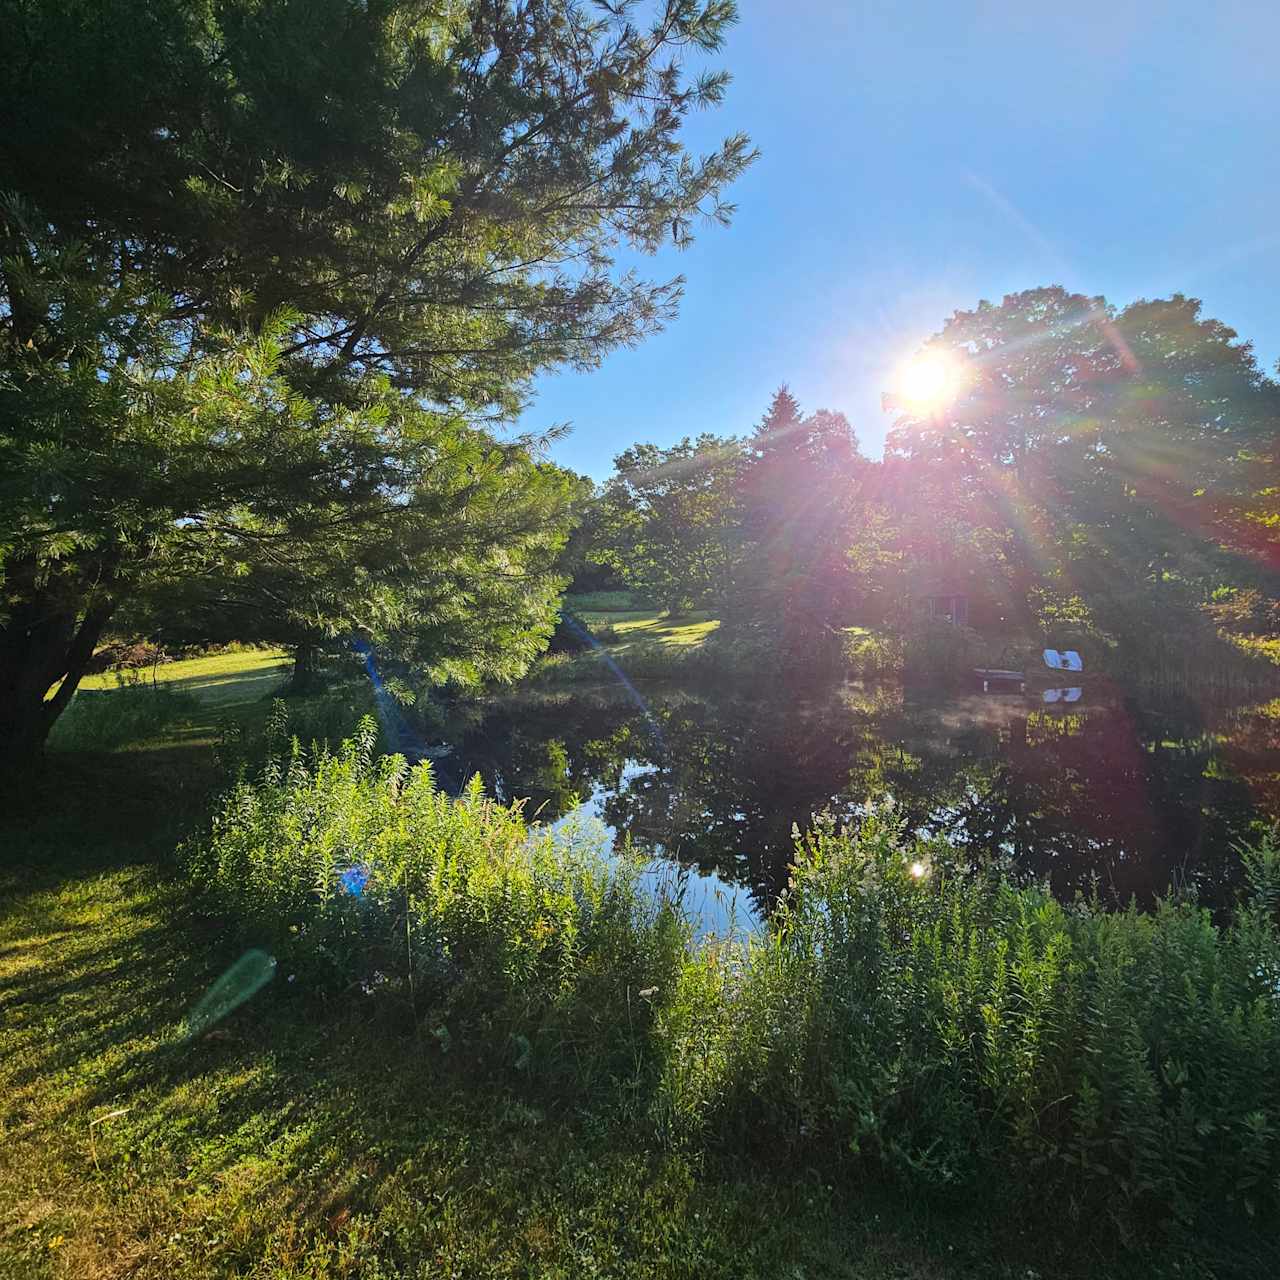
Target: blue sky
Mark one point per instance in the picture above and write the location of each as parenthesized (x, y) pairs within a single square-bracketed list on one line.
[(917, 157)]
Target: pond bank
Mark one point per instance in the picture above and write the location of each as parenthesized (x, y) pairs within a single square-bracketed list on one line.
[(339, 1136), (336, 1140)]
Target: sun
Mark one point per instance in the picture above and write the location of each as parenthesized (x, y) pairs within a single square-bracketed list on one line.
[(928, 383)]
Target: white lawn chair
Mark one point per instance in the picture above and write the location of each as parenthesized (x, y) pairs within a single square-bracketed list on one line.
[(1068, 661)]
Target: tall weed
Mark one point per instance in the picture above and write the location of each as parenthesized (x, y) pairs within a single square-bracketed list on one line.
[(359, 872), (957, 1030)]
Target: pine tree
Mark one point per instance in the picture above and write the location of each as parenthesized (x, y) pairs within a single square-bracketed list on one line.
[(799, 489), (236, 232)]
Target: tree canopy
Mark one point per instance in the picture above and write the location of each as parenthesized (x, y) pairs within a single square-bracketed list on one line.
[(1094, 449), (669, 516), (1102, 470), (262, 269)]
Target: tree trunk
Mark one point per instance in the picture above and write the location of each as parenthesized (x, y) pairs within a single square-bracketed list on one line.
[(305, 665), (46, 639)]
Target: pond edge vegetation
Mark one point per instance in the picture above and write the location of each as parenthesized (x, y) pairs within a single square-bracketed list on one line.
[(957, 1033)]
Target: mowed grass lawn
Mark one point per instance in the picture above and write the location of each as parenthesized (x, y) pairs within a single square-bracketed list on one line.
[(176, 705), (631, 625), (223, 679)]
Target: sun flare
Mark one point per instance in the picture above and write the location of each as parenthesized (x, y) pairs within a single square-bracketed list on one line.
[(929, 382)]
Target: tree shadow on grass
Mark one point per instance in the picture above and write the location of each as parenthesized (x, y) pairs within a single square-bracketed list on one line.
[(299, 1130)]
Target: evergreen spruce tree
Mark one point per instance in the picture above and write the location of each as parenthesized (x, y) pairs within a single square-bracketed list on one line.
[(793, 583)]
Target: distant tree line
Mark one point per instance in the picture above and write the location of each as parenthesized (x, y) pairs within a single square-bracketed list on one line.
[(1098, 471)]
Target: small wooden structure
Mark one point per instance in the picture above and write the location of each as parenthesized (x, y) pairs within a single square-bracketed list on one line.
[(949, 607)]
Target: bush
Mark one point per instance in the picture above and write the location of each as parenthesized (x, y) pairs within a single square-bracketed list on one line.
[(642, 660), (106, 719), (126, 655), (320, 719), (958, 1031), (869, 653), (953, 1031)]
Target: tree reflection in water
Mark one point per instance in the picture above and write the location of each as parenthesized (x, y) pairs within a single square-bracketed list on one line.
[(1113, 790)]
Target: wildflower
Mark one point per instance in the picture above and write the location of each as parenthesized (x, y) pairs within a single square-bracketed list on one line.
[(647, 993)]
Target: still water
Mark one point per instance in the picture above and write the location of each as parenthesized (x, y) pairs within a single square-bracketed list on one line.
[(1091, 787)]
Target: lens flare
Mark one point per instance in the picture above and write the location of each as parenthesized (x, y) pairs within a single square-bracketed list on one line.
[(242, 981)]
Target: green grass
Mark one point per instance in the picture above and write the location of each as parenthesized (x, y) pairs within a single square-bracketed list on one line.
[(629, 626), (187, 703), (645, 644), (605, 600), (903, 1018), (222, 680)]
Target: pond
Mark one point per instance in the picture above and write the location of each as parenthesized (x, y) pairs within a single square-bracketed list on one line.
[(1089, 787)]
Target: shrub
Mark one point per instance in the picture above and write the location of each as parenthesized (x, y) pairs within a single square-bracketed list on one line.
[(126, 655), (873, 653), (929, 650), (641, 660), (957, 1030), (949, 1029), (319, 719)]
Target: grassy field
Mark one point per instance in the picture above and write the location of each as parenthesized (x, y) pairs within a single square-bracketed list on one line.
[(305, 1139), (621, 628), (221, 680), (185, 704)]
